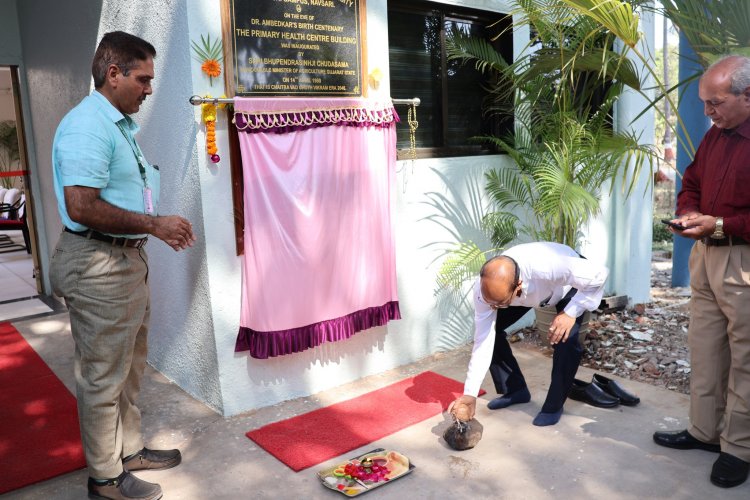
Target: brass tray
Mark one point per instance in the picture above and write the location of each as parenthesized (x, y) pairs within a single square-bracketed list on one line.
[(353, 487)]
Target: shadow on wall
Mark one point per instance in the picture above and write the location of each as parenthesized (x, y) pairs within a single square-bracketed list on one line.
[(459, 213)]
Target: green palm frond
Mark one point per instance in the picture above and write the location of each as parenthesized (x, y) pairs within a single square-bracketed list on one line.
[(712, 28), (462, 46), (207, 50), (461, 265), (509, 187), (502, 227), (605, 63), (616, 16)]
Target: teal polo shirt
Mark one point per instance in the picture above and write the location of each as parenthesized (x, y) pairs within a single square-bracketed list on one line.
[(91, 150)]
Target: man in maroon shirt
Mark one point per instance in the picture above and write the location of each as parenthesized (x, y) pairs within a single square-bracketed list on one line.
[(714, 208)]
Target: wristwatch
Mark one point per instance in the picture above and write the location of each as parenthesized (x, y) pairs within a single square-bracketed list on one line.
[(718, 233)]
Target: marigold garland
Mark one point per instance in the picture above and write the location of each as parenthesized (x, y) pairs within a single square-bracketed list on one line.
[(209, 112)]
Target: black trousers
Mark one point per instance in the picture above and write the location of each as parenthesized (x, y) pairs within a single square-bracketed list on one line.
[(507, 375)]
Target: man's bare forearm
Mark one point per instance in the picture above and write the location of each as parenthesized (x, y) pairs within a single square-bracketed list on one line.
[(86, 207)]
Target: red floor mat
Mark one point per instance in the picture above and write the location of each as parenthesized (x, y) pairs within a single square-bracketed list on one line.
[(39, 434), (305, 440)]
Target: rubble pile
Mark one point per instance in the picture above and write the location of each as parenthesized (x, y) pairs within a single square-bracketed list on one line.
[(647, 343)]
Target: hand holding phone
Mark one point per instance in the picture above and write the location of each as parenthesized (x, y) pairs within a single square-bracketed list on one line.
[(673, 225)]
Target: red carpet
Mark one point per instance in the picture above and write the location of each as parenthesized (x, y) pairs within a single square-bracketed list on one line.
[(39, 435), (305, 440)]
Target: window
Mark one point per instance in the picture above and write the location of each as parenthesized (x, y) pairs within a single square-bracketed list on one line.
[(451, 93)]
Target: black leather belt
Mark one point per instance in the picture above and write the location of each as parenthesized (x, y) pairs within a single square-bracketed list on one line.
[(724, 242), (112, 240)]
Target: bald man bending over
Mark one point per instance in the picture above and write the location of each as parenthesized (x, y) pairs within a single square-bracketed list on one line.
[(523, 277)]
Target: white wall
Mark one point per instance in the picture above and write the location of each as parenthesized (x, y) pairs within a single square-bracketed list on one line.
[(59, 39), (196, 294), (622, 235)]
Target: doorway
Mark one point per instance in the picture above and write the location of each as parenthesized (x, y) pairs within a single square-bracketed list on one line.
[(19, 259)]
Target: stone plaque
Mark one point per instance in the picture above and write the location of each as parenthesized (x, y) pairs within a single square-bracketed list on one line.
[(296, 47)]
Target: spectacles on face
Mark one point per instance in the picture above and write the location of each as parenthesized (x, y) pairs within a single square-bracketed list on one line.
[(713, 104), (497, 305), (504, 304)]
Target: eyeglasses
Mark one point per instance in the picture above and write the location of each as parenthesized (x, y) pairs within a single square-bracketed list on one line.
[(499, 305), (713, 104)]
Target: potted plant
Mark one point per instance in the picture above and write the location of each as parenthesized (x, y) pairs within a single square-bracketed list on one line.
[(566, 153)]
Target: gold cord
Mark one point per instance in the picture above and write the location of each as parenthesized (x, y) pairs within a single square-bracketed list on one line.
[(411, 119)]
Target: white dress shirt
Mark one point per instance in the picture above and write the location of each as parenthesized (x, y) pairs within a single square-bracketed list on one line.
[(547, 271)]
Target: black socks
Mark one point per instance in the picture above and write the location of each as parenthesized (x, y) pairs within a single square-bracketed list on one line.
[(512, 398), (543, 419)]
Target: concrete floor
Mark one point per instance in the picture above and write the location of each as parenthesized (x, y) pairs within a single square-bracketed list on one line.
[(591, 453)]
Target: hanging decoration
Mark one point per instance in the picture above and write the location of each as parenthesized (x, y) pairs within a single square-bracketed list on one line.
[(209, 113), (411, 120), (209, 55), (318, 175)]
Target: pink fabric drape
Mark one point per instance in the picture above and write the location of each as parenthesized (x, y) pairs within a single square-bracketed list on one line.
[(319, 261)]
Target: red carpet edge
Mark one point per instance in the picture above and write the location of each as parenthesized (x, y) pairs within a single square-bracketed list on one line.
[(39, 435), (309, 439)]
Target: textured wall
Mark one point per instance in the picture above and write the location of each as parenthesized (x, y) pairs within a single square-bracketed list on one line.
[(196, 294), (428, 326), (59, 39)]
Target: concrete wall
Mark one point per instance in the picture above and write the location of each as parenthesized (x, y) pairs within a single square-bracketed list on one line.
[(196, 294), (59, 39)]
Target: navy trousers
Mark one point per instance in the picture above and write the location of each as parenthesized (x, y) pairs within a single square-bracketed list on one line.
[(507, 375)]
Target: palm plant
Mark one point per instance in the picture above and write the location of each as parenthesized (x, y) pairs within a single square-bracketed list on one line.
[(713, 29), (565, 151)]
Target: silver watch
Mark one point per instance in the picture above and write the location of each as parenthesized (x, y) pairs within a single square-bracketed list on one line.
[(718, 233)]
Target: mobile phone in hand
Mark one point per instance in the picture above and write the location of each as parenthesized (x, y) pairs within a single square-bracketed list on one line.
[(673, 225)]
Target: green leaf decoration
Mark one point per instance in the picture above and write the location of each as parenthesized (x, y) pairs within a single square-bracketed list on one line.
[(207, 49)]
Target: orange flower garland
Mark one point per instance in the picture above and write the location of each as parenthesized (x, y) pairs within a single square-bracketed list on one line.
[(209, 112)]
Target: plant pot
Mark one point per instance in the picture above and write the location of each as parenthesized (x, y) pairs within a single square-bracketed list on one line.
[(544, 317)]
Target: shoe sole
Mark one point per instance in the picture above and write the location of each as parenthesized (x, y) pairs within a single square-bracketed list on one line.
[(595, 405), (97, 497), (726, 484), (706, 447)]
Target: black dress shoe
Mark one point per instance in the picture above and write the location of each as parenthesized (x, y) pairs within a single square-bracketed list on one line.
[(729, 471), (591, 394), (146, 459), (124, 487), (614, 389), (683, 440)]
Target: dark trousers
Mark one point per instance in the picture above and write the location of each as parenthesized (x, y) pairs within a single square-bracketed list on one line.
[(507, 375)]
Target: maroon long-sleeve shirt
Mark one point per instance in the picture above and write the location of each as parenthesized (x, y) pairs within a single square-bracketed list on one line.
[(717, 183)]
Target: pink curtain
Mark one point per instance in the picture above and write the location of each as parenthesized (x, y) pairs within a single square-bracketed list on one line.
[(319, 260)]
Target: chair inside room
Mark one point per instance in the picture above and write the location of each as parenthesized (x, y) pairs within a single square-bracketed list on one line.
[(13, 218)]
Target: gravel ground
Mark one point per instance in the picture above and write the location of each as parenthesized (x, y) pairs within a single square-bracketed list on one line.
[(647, 342)]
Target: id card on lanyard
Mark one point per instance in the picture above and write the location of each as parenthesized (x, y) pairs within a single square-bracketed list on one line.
[(148, 200)]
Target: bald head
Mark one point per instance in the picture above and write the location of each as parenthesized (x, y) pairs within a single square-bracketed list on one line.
[(733, 70), (499, 279), (724, 89)]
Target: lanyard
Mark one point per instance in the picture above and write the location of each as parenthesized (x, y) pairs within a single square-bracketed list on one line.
[(136, 151)]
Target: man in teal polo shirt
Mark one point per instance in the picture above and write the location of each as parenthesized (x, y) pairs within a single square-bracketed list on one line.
[(108, 199)]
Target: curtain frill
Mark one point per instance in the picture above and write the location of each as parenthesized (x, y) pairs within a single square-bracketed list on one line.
[(282, 122), (263, 345)]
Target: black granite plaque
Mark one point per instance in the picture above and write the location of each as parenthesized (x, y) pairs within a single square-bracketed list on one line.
[(296, 47)]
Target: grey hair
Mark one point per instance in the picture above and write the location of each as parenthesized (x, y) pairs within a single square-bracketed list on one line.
[(739, 79)]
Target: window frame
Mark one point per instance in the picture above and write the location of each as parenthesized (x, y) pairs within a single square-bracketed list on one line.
[(448, 13)]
